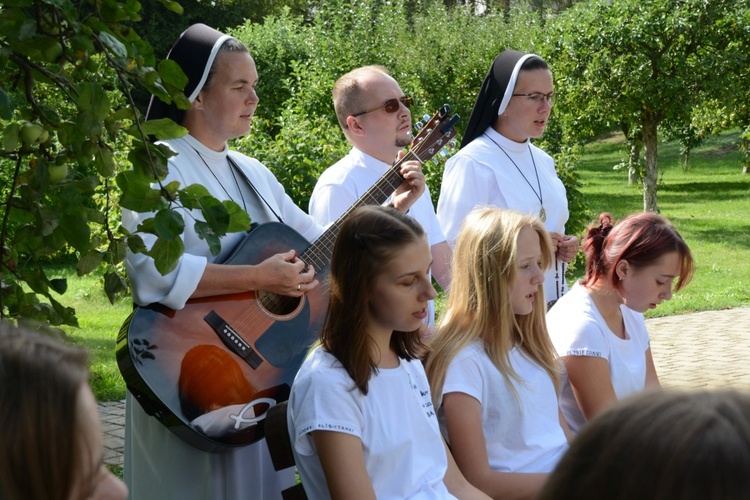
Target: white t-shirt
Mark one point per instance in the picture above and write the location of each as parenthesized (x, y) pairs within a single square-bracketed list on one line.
[(481, 175), (523, 432), (578, 329), (403, 451), (345, 182)]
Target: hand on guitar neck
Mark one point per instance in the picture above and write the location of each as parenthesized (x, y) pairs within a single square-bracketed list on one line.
[(413, 186)]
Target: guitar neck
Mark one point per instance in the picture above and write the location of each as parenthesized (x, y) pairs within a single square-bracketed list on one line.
[(320, 252)]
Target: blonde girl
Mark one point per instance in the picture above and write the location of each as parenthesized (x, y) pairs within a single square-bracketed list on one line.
[(492, 367)]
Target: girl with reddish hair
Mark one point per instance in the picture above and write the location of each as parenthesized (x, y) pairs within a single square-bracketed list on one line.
[(598, 327)]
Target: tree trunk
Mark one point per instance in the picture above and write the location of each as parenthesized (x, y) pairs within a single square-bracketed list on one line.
[(634, 161), (686, 159), (651, 175)]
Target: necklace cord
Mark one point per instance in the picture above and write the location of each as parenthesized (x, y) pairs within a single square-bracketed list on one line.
[(233, 166), (536, 172)]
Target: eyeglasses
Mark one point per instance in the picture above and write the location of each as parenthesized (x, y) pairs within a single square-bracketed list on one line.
[(538, 97), (391, 105)]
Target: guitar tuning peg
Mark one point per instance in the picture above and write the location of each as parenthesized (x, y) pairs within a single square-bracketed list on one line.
[(426, 117), (418, 125), (435, 161), (452, 144), (443, 152), (431, 151)]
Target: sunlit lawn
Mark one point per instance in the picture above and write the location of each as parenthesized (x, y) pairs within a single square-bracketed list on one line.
[(709, 204)]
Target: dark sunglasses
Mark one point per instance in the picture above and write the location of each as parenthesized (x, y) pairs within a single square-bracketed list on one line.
[(391, 105)]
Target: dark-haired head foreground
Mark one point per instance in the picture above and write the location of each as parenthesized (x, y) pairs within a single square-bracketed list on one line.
[(50, 442), (661, 445)]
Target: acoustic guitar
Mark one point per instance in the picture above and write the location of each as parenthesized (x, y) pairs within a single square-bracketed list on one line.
[(210, 371)]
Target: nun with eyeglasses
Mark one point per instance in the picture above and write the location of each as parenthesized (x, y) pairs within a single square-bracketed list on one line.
[(497, 164)]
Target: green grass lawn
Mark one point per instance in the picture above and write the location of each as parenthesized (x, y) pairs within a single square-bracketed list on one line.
[(709, 204), (99, 323)]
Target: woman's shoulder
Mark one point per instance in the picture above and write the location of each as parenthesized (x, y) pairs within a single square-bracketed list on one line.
[(244, 161), (320, 364), (575, 314), (541, 156), (476, 152), (473, 351)]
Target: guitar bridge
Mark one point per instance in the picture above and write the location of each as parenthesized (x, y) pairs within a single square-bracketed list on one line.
[(233, 340)]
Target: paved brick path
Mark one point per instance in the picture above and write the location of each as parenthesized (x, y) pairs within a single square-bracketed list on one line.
[(705, 350), (692, 351)]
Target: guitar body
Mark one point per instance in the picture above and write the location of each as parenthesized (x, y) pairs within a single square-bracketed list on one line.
[(211, 370)]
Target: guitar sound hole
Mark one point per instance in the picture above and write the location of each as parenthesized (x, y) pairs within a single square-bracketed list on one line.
[(279, 305)]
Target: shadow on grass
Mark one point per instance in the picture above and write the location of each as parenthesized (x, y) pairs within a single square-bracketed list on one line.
[(737, 236), (626, 202), (719, 190)]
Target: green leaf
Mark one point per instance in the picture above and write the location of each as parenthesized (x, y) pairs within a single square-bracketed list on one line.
[(171, 73), (150, 160), (117, 251), (94, 99), (65, 315), (49, 220), (113, 44), (114, 285), (76, 231), (36, 280), (6, 105), (168, 224), (147, 226), (239, 220), (191, 196), (89, 125), (163, 129), (59, 285), (166, 254), (215, 214), (89, 262), (205, 232), (105, 162), (173, 6), (137, 193), (136, 244)]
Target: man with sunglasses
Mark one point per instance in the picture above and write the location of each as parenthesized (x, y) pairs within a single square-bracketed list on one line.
[(374, 115)]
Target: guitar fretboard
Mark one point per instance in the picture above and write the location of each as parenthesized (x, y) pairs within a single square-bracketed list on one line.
[(320, 252)]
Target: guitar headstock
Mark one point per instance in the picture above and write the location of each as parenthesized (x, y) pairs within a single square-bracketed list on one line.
[(435, 134)]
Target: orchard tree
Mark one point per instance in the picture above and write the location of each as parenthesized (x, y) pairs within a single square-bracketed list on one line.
[(643, 63), (75, 150)]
